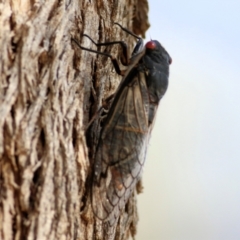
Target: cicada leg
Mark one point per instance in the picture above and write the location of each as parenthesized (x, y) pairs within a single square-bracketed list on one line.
[(113, 59)]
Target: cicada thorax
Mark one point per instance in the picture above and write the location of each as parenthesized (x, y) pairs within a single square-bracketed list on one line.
[(125, 133)]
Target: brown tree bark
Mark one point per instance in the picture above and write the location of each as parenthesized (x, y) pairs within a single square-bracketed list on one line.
[(46, 103)]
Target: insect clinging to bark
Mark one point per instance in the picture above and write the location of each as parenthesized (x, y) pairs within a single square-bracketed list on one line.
[(126, 130)]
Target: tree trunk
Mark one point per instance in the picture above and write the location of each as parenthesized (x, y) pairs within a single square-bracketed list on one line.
[(46, 102)]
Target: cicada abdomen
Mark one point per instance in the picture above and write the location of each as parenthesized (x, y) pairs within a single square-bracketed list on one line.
[(125, 133)]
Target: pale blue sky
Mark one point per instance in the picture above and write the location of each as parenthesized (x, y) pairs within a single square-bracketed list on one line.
[(192, 173)]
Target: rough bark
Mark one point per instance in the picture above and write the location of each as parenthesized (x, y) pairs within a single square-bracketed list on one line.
[(46, 103)]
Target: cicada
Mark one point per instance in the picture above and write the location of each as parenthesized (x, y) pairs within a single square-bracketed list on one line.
[(125, 133)]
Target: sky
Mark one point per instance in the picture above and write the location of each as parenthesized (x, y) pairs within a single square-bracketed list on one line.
[(192, 173)]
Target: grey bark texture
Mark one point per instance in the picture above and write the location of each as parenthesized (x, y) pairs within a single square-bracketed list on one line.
[(46, 102)]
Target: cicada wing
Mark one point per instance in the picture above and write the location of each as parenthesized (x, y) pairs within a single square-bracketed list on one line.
[(121, 150)]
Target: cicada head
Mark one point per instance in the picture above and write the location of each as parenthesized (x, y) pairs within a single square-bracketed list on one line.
[(157, 52)]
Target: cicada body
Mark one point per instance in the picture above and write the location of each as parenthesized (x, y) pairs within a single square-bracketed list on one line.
[(125, 133)]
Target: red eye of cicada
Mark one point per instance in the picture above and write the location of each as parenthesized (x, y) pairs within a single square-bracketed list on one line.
[(150, 45)]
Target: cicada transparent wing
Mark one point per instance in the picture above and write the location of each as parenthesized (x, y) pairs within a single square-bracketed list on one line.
[(122, 148)]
